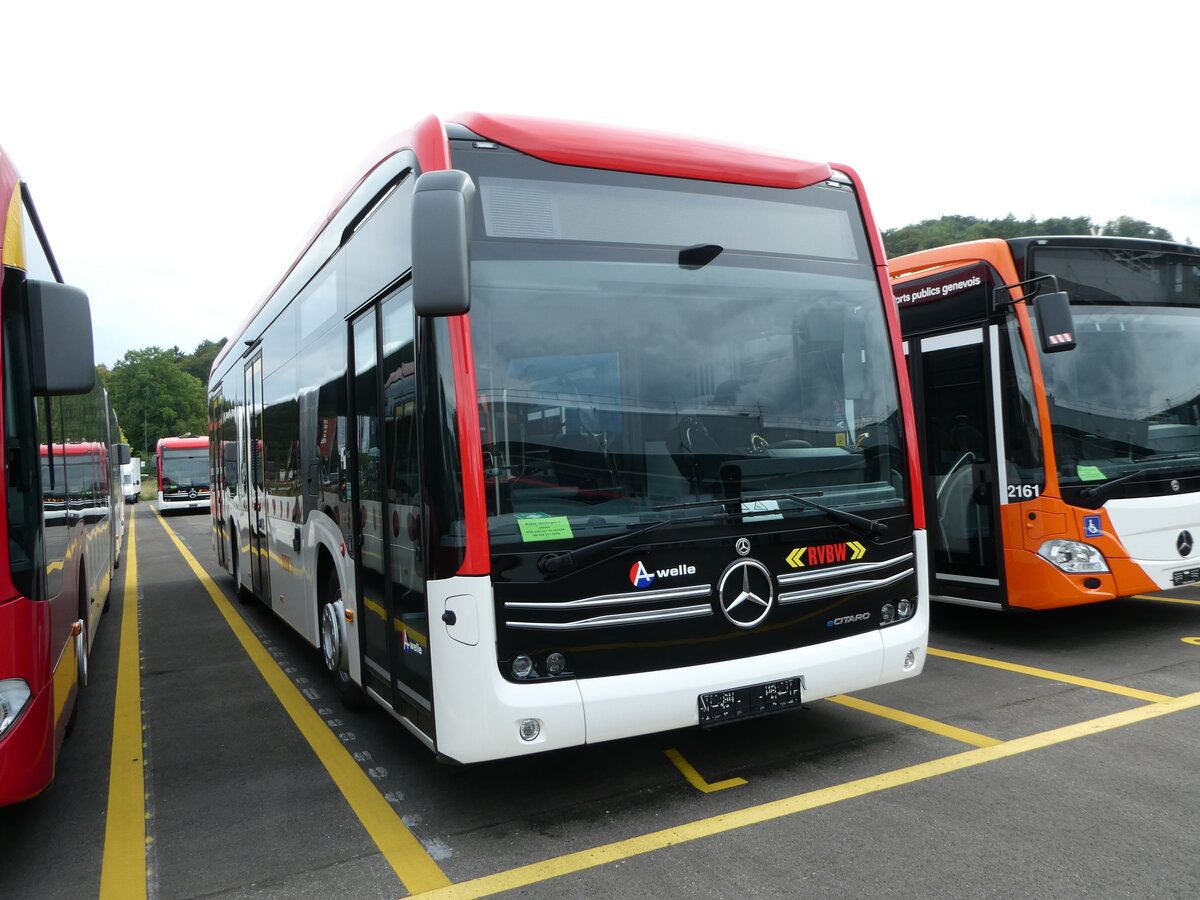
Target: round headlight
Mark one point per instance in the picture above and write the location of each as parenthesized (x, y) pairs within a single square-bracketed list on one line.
[(556, 663), (522, 666), (530, 729), (887, 614), (904, 608)]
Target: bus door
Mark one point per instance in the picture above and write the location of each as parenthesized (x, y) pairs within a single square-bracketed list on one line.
[(953, 376), (395, 632), (255, 488)]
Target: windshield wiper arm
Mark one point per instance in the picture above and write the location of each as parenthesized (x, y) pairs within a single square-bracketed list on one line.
[(1101, 491), (552, 563), (870, 526)]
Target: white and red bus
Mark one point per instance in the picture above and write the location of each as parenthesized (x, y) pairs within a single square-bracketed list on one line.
[(1062, 459), (182, 467), (62, 504), (559, 433)]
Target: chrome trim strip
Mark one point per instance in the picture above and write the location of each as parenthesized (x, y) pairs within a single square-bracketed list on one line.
[(851, 587), (838, 571), (645, 617), (683, 593)]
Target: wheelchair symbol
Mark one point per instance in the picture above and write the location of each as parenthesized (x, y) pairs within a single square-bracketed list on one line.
[(1091, 526)]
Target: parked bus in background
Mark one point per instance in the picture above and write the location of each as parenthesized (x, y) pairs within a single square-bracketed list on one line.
[(62, 505), (131, 480), (559, 433), (1061, 444), (182, 466)]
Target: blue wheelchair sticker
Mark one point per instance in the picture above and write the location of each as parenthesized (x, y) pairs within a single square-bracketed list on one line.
[(1091, 526)]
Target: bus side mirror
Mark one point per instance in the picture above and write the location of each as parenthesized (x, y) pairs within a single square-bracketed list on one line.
[(441, 238), (1055, 323), (60, 327), (122, 453)]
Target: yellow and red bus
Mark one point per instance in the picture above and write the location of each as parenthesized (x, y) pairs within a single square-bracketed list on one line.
[(560, 433), (62, 505), (181, 464), (1061, 458)]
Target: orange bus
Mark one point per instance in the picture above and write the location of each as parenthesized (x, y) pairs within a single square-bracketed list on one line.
[(61, 500), (1058, 406)]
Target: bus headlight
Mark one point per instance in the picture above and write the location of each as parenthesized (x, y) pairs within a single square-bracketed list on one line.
[(1073, 556), (14, 694)]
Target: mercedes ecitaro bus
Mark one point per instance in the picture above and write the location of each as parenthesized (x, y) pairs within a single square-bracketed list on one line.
[(62, 506), (559, 433), (1061, 443), (183, 477)]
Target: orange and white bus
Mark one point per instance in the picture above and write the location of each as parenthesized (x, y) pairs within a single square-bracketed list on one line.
[(182, 467), (559, 433), (1058, 402), (62, 506)]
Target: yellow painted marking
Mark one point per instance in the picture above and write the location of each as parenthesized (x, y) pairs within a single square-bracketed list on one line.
[(789, 806), (695, 779), (1166, 599), (1148, 696), (123, 871), (1191, 640), (950, 731), (55, 566), (403, 852)]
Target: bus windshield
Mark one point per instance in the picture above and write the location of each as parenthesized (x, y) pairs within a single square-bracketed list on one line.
[(185, 468), (622, 372), (1128, 395)]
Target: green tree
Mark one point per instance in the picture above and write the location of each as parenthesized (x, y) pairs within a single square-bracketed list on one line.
[(154, 398), (952, 229), (199, 362)]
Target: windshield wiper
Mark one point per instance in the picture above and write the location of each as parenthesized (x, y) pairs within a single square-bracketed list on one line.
[(869, 526), (1101, 492), (553, 563)]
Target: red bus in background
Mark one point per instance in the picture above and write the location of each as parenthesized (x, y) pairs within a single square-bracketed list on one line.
[(1058, 407), (560, 433), (61, 499), (183, 479)]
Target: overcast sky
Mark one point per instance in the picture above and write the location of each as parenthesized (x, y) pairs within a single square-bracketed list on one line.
[(179, 153)]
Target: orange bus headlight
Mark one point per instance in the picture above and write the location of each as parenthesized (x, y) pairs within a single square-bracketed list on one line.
[(14, 694), (1073, 557)]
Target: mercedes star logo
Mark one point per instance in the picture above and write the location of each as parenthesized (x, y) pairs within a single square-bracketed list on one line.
[(742, 546), (1184, 543), (746, 593)]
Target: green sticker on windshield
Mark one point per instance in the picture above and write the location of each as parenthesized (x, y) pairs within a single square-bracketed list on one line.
[(1090, 473), (545, 528)]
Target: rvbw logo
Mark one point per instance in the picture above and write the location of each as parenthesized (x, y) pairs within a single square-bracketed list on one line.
[(641, 577)]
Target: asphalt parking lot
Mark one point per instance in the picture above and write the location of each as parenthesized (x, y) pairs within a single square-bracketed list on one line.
[(1039, 755)]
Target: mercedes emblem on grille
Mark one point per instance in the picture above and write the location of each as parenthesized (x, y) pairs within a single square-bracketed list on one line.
[(746, 593), (742, 546), (1184, 543)]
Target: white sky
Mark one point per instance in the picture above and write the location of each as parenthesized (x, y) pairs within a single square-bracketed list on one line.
[(179, 153)]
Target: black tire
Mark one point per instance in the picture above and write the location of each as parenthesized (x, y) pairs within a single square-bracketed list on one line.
[(352, 696)]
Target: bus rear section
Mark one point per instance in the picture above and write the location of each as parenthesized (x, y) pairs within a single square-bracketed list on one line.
[(1058, 405), (183, 478), (60, 498), (633, 456)]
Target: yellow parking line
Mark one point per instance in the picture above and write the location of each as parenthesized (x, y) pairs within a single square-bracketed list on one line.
[(123, 870), (695, 779), (950, 731), (1166, 599), (1148, 696), (658, 840), (403, 852)]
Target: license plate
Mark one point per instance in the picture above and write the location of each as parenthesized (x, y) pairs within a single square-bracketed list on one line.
[(1187, 576), (747, 702)]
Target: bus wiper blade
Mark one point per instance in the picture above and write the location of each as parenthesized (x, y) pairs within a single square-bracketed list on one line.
[(553, 563), (870, 526), (1102, 491)]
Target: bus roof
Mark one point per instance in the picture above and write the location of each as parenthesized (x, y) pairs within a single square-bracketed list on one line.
[(182, 443), (569, 143)]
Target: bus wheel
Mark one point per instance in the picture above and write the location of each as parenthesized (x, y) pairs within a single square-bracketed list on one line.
[(333, 645)]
